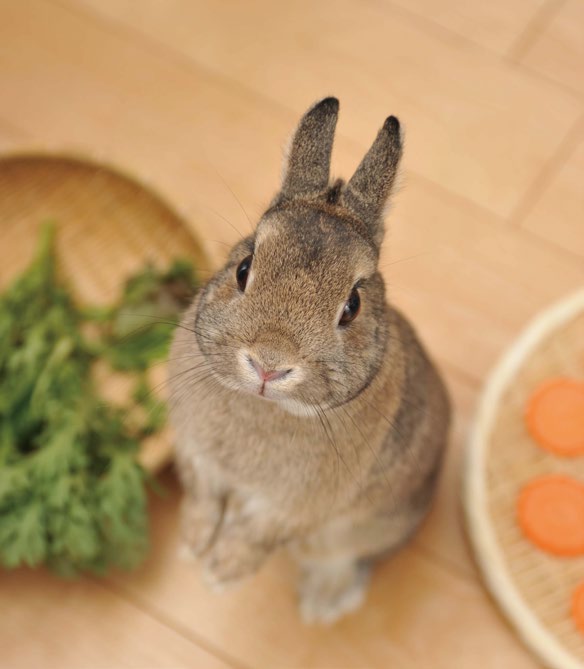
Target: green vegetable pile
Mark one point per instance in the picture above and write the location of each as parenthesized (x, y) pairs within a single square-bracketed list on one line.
[(72, 494)]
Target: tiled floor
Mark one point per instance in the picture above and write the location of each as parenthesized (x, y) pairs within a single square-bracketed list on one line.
[(198, 98)]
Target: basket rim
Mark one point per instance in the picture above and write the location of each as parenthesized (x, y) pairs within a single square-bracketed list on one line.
[(478, 522), (96, 159)]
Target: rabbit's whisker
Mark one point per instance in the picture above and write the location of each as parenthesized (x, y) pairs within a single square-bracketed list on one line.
[(373, 452), (406, 259), (223, 218), (234, 196)]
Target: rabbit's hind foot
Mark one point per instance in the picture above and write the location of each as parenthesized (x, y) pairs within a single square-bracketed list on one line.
[(329, 589)]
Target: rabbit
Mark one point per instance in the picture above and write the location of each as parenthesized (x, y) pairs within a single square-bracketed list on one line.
[(307, 413)]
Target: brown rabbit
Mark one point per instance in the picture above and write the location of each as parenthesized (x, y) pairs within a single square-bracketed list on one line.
[(307, 413)]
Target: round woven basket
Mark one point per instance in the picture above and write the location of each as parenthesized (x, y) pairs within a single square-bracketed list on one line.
[(108, 226), (533, 588)]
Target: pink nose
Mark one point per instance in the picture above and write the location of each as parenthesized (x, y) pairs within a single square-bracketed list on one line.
[(271, 375)]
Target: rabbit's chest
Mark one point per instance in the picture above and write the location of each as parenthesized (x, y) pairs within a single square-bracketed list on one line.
[(289, 460)]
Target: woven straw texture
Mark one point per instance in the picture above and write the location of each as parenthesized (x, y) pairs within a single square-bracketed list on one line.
[(545, 583), (108, 226)]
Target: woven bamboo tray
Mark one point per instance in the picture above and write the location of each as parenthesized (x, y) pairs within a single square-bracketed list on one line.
[(108, 226), (533, 588)]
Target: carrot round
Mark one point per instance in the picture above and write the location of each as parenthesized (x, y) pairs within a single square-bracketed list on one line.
[(550, 511), (578, 607), (555, 416)]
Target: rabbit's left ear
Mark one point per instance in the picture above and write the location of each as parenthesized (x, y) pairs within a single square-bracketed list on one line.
[(307, 168), (371, 185)]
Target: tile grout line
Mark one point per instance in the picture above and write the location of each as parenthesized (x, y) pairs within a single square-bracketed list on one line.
[(447, 565), (439, 30), (533, 30), (574, 256), (550, 168), (442, 32), (169, 623), (573, 93)]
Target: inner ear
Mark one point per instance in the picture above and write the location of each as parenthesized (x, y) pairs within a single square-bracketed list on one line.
[(307, 168)]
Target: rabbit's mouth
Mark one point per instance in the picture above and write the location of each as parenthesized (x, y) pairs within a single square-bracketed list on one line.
[(261, 376), (282, 391)]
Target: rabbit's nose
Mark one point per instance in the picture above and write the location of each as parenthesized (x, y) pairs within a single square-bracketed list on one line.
[(271, 375)]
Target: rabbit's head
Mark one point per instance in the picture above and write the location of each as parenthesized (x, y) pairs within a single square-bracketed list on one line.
[(297, 315)]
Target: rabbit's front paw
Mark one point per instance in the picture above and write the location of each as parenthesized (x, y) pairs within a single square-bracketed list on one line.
[(231, 560), (199, 524), (331, 589)]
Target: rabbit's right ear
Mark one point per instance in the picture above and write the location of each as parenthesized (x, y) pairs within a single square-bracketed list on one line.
[(306, 171)]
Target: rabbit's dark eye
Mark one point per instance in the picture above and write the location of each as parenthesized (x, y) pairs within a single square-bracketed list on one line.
[(351, 308), (243, 272)]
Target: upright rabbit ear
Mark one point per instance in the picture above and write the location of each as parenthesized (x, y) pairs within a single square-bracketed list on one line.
[(368, 189), (307, 168)]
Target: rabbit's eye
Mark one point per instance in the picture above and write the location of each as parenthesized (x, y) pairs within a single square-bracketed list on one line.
[(243, 272), (351, 308)]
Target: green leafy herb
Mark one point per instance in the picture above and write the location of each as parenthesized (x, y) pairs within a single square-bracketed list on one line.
[(72, 494)]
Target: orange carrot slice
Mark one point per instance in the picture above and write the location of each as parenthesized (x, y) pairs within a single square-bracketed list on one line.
[(555, 416), (578, 607), (550, 511)]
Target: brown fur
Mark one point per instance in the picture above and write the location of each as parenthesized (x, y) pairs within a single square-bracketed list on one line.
[(340, 463)]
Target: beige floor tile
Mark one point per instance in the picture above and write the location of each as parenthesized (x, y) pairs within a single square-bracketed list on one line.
[(475, 125), (558, 211), (495, 25), (48, 622), (558, 52), (477, 282)]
